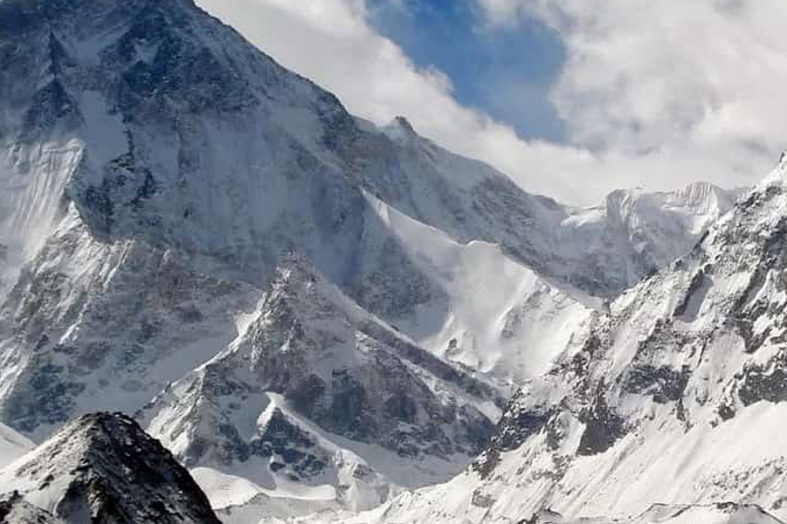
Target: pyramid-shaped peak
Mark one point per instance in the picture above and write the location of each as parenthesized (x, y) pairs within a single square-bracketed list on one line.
[(105, 467), (405, 124)]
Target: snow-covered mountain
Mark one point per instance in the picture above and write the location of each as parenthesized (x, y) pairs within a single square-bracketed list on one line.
[(101, 468), (494, 314), (318, 391), (676, 396), (295, 301)]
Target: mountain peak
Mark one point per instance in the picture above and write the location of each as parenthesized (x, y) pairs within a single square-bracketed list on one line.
[(405, 124), (104, 468), (781, 166), (400, 129)]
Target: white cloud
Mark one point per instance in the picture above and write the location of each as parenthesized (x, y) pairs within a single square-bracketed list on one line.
[(682, 79), (646, 104)]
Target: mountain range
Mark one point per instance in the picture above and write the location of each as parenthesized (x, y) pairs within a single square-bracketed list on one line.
[(322, 318)]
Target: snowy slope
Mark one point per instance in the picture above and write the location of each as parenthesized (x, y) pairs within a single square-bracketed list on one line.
[(12, 445), (682, 380), (721, 513), (491, 314)]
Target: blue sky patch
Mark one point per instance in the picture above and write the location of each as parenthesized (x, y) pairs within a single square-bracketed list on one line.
[(506, 72)]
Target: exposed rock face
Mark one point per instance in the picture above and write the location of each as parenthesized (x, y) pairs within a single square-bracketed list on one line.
[(312, 354), (92, 325), (103, 468)]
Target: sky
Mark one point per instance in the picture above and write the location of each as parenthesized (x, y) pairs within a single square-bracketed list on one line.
[(490, 69), (570, 98)]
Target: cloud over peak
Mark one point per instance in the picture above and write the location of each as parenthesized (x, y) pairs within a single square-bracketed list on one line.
[(653, 94)]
